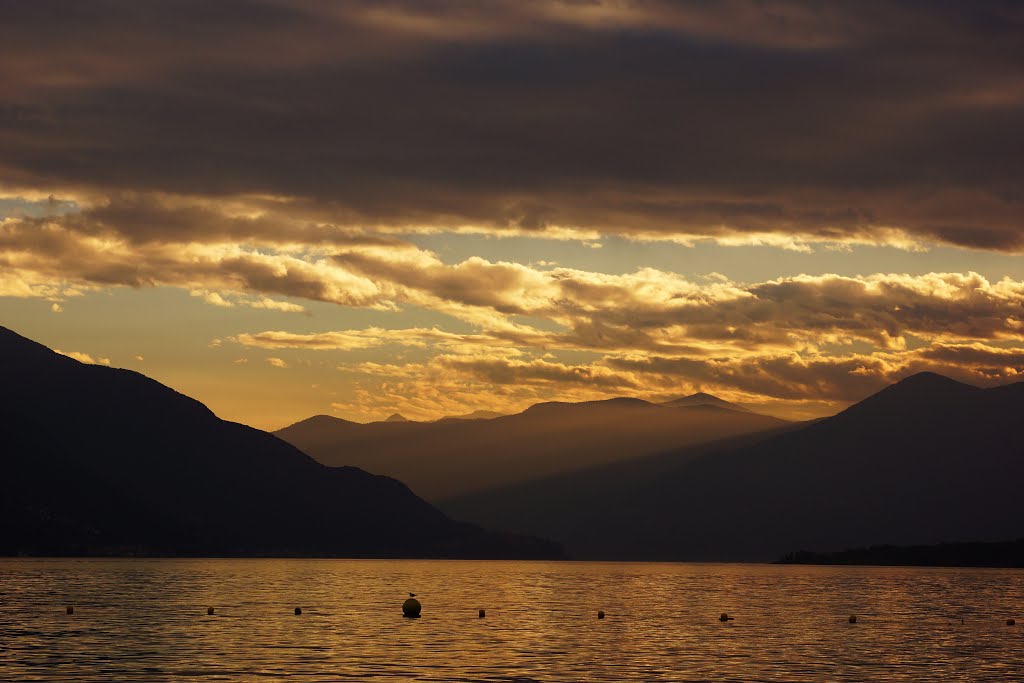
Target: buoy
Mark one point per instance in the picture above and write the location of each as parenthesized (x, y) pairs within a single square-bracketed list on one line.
[(483, 614), (600, 614), (298, 611), (853, 618), (209, 610), (411, 608), (725, 617), (71, 610), (1011, 622)]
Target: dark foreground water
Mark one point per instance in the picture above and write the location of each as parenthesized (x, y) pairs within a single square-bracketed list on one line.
[(146, 620)]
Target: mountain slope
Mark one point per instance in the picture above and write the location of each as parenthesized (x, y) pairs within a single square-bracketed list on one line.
[(702, 399), (991, 554), (558, 507), (98, 460), (475, 415), (925, 461), (448, 458)]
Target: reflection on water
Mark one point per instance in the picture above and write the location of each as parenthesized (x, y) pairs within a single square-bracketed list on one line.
[(146, 620)]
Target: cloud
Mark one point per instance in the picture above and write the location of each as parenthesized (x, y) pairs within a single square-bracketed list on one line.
[(227, 300), (648, 310), (357, 339), (266, 154), (655, 311), (779, 122), (794, 385), (276, 362), (83, 357)]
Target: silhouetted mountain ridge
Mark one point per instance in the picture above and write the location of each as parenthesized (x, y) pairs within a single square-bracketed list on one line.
[(702, 399), (100, 460), (992, 554), (449, 458), (927, 460), (618, 403)]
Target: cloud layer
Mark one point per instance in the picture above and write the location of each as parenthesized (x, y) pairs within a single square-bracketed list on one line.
[(779, 121), (271, 155)]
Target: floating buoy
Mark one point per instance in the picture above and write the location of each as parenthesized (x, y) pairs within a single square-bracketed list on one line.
[(483, 614), (853, 618), (209, 610), (1011, 622), (71, 610), (725, 617), (600, 614), (298, 611), (411, 608)]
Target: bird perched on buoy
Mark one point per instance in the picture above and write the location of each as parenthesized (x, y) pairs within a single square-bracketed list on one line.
[(412, 595)]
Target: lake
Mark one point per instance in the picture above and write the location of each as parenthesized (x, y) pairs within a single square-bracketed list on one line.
[(142, 619)]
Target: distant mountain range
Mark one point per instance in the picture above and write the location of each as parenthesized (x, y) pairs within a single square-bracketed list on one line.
[(925, 461), (475, 415), (97, 460), (994, 554), (104, 461), (454, 457), (701, 399)]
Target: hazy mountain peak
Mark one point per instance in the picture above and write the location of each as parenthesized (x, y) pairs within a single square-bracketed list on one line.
[(475, 415), (326, 420), (618, 402), (397, 417), (918, 391), (931, 381), (702, 399)]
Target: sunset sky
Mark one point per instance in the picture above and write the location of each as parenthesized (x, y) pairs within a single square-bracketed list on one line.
[(286, 208)]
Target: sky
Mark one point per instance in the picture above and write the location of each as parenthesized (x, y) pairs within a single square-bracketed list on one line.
[(289, 208)]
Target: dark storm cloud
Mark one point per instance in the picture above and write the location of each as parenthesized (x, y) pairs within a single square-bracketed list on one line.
[(839, 121)]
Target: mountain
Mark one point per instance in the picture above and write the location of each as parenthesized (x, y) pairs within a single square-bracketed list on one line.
[(397, 417), (702, 399), (927, 460), (561, 506), (475, 415), (448, 458), (98, 460), (993, 554)]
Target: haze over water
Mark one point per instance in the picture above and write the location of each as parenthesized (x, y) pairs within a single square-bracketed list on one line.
[(139, 619)]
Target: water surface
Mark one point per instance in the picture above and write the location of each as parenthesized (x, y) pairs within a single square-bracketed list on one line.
[(146, 620)]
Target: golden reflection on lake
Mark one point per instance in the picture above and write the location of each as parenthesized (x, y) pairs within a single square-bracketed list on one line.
[(140, 619)]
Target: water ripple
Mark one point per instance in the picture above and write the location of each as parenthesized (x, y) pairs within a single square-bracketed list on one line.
[(144, 620)]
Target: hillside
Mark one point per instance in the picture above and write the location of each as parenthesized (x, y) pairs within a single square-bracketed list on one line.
[(561, 506), (99, 460), (993, 554), (702, 399), (449, 458), (927, 460)]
